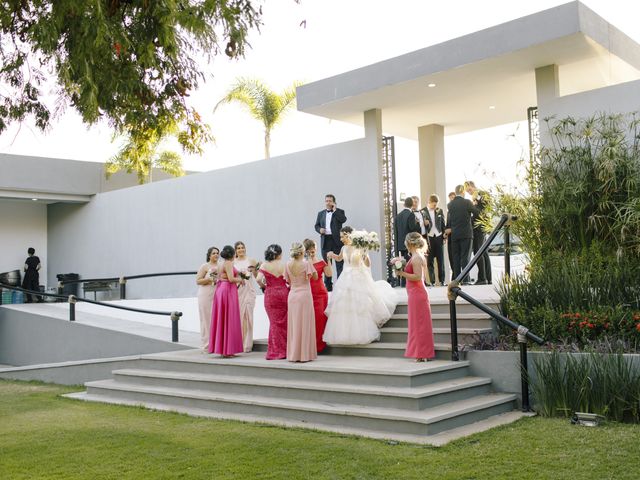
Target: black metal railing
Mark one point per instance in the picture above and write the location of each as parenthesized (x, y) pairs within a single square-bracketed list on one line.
[(73, 299), (122, 281), (455, 291)]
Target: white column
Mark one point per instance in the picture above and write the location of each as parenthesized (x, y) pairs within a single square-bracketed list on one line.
[(373, 136), (432, 170), (547, 90)]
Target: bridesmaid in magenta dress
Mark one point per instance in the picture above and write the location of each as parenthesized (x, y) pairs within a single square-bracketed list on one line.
[(318, 290), (226, 331), (301, 331), (420, 344), (276, 294)]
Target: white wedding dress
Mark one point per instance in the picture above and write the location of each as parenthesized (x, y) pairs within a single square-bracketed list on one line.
[(358, 306)]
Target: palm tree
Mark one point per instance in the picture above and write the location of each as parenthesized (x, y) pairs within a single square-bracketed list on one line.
[(142, 156), (263, 103)]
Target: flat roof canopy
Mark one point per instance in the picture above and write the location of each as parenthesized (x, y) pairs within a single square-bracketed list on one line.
[(483, 79)]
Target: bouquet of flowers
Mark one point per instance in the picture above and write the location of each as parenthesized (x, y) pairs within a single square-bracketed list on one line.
[(244, 275), (397, 264), (213, 275), (365, 240)]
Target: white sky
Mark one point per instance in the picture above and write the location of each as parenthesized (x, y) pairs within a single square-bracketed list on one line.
[(340, 35)]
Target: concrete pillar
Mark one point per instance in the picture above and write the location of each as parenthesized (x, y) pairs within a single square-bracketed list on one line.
[(547, 90), (373, 137), (547, 84), (432, 169)]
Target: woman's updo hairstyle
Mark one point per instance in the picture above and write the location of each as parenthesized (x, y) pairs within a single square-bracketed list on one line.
[(228, 252), (297, 250), (210, 251), (414, 240), (346, 229), (308, 244), (272, 252)]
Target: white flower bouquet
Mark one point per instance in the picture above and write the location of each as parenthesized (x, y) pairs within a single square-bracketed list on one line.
[(397, 264), (365, 240)]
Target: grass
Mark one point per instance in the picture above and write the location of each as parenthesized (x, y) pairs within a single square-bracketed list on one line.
[(43, 435)]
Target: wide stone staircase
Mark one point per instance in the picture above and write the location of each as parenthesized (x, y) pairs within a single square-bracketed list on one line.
[(348, 389)]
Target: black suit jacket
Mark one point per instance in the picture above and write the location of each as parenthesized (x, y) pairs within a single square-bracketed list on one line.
[(337, 220), (482, 200), (460, 211), (440, 220), (406, 223)]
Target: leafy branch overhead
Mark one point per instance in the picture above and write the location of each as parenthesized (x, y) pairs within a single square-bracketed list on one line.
[(129, 62)]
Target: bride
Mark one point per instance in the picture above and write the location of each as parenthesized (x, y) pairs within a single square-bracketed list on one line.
[(358, 306)]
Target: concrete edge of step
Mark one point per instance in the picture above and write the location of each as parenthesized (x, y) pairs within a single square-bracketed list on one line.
[(423, 391), (426, 417)]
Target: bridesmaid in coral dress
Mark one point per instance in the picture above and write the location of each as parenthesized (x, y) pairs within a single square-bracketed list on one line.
[(318, 290), (301, 331), (226, 331), (276, 293), (420, 344)]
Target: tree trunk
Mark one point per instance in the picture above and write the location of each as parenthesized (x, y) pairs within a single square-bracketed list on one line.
[(267, 144)]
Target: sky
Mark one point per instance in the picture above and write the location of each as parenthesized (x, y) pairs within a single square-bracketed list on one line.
[(337, 36)]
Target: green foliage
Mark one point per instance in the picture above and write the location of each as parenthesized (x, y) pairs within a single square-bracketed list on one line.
[(264, 104), (607, 385), (129, 62), (142, 157), (579, 222)]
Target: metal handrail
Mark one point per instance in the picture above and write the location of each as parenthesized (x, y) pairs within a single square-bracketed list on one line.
[(455, 291), (121, 280), (73, 299)]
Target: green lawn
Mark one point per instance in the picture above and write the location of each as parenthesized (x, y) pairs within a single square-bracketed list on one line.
[(45, 436)]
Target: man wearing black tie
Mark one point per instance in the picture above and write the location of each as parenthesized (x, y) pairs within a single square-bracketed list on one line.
[(434, 223), (328, 225)]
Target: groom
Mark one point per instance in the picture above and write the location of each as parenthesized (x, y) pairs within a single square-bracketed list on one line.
[(328, 225)]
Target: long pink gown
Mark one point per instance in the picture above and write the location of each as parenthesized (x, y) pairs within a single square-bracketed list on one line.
[(226, 331), (301, 328), (276, 296), (205, 301), (420, 342)]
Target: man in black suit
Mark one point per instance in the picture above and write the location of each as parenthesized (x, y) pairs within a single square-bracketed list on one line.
[(459, 230), (328, 225), (435, 224), (480, 200), (406, 223)]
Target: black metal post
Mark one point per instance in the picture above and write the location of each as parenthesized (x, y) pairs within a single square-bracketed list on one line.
[(507, 252), (524, 368), (454, 320), (123, 288), (175, 316), (60, 288), (72, 308)]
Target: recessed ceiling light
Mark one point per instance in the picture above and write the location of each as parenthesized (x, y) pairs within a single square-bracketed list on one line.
[(431, 85), (34, 199), (492, 107)]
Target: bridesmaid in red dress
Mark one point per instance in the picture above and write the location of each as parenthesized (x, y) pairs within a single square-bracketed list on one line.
[(420, 344), (318, 290), (276, 293), (226, 330)]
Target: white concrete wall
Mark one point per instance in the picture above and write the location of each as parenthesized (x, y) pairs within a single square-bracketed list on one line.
[(168, 226), (23, 224), (621, 98)]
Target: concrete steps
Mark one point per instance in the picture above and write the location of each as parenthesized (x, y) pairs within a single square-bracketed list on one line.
[(368, 390)]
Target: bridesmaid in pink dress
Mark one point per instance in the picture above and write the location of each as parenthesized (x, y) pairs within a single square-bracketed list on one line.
[(206, 280), (246, 293), (420, 344), (318, 290), (301, 331), (226, 331), (276, 293)]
